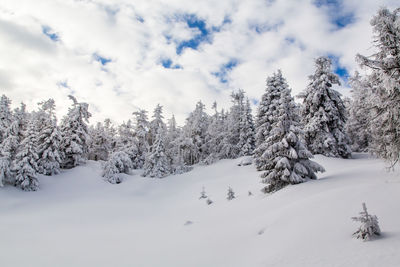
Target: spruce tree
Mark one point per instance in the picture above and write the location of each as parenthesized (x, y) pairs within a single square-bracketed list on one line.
[(282, 155), (384, 121), (26, 161), (324, 113), (157, 163), (75, 137), (141, 130), (359, 112), (48, 140)]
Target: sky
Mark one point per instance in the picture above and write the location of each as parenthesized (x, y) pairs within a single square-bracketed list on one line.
[(123, 55)]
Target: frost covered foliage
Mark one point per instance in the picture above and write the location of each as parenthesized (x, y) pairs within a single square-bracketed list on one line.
[(359, 114), (26, 162), (239, 133), (141, 132), (215, 136), (385, 76), (5, 170), (369, 225), (100, 142), (127, 141), (157, 164), (5, 116), (281, 154), (75, 137), (195, 132), (119, 162), (48, 140), (175, 147), (324, 114)]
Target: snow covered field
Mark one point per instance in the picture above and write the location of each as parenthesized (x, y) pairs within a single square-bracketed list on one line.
[(77, 219)]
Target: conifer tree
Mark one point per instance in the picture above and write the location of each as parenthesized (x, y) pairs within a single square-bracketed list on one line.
[(157, 163), (246, 137), (100, 143), (195, 130), (48, 139), (282, 155), (385, 76), (5, 116), (26, 161), (324, 113), (75, 137), (141, 130), (359, 112)]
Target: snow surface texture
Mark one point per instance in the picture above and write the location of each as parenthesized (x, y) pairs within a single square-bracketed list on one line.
[(78, 219)]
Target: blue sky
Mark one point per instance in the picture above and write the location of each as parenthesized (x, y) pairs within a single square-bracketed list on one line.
[(136, 54)]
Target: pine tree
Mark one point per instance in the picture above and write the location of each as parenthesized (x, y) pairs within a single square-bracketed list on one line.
[(75, 137), (324, 113), (282, 155), (246, 137), (48, 140), (5, 116), (369, 225), (26, 161), (100, 143), (157, 163), (141, 130), (156, 124), (8, 141), (195, 130), (215, 137), (359, 114), (384, 65)]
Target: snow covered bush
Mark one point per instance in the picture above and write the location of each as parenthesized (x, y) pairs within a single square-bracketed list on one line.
[(324, 113), (119, 162), (231, 194), (369, 225), (280, 151)]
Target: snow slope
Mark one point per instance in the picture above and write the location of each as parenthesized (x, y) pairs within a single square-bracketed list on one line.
[(77, 219)]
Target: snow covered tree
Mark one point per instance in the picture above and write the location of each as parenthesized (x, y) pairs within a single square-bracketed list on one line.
[(359, 114), (195, 130), (385, 76), (247, 131), (324, 113), (369, 225), (26, 161), (5, 116), (282, 155), (100, 143), (141, 130), (75, 137), (215, 137), (157, 163), (118, 162), (48, 139), (156, 124), (7, 147)]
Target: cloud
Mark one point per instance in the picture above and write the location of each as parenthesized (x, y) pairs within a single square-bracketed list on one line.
[(121, 55)]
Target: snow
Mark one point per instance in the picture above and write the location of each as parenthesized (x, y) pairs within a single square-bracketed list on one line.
[(78, 219)]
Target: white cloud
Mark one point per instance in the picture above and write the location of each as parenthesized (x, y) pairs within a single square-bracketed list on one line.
[(261, 35)]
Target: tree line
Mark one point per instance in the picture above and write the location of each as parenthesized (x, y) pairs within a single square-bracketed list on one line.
[(282, 137)]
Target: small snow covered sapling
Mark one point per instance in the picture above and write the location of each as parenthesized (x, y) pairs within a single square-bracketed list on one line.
[(231, 194), (369, 225), (203, 193), (209, 201)]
